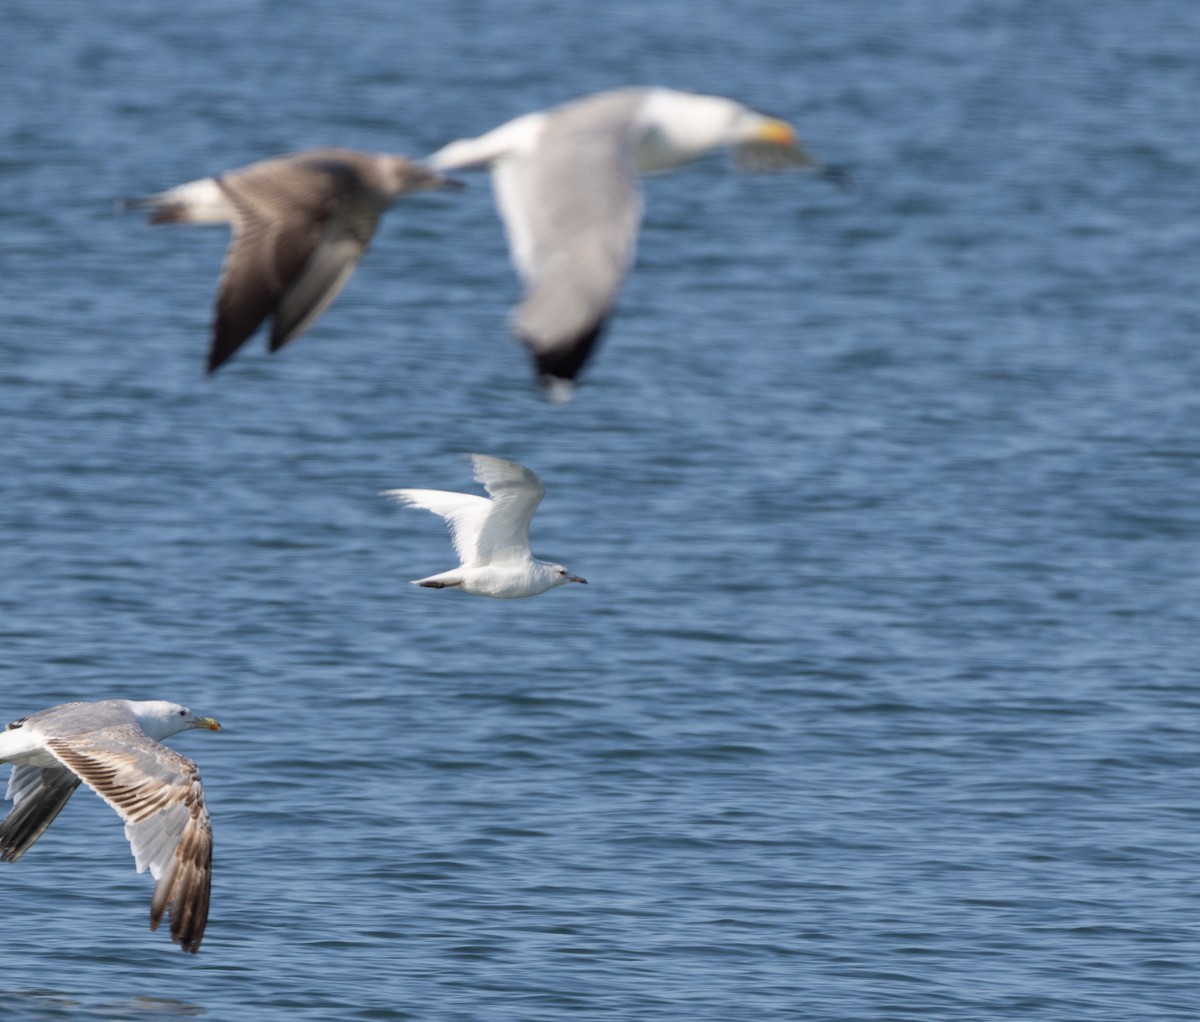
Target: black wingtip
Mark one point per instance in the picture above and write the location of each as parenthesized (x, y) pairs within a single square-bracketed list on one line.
[(558, 367), (278, 338), (220, 352), (232, 328)]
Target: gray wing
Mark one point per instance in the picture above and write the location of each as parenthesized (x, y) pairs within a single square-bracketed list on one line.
[(157, 793), (78, 716), (286, 209), (516, 492), (38, 795), (572, 209)]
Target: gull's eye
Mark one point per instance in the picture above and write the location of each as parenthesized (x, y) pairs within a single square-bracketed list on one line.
[(183, 713)]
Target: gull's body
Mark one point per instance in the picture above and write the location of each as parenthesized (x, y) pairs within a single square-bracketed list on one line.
[(566, 184), (300, 223), (491, 537), (113, 747)]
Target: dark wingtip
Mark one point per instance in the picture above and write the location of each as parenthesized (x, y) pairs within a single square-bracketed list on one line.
[(278, 338), (558, 367), (218, 355)]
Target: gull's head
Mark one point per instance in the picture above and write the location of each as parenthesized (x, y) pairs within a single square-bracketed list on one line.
[(161, 719), (768, 143), (680, 126), (403, 175), (562, 576)]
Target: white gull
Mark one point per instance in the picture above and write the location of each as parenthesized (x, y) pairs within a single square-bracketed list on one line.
[(491, 537), (566, 186)]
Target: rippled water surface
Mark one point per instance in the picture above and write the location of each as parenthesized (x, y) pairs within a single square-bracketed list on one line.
[(882, 702)]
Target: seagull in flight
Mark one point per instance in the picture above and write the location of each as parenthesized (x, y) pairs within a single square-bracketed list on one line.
[(491, 537), (301, 222), (113, 747), (566, 184)]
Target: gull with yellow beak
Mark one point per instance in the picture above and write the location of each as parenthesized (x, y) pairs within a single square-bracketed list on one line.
[(113, 747), (566, 184)]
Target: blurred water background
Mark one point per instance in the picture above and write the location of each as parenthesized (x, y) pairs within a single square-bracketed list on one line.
[(882, 702)]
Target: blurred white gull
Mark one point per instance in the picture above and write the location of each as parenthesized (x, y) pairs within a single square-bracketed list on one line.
[(491, 537), (300, 222), (566, 185), (113, 747)]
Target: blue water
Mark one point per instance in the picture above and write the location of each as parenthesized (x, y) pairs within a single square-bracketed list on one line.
[(882, 702)]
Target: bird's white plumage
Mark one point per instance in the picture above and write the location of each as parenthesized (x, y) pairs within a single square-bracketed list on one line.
[(491, 536), (516, 492), (464, 514), (112, 746), (566, 186)]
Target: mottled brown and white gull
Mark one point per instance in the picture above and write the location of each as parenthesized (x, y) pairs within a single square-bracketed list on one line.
[(113, 747)]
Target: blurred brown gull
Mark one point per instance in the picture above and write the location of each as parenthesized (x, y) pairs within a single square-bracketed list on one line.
[(300, 223)]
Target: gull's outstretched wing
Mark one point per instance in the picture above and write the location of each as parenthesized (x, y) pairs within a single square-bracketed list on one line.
[(283, 208), (571, 205), (38, 795), (157, 793), (516, 492), (465, 514), (348, 231)]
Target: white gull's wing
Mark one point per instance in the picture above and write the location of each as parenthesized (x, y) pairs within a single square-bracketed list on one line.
[(571, 205), (465, 514), (38, 795), (157, 793), (516, 492)]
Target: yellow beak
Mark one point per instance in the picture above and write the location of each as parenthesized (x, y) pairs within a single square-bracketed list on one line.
[(208, 722), (777, 132)]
